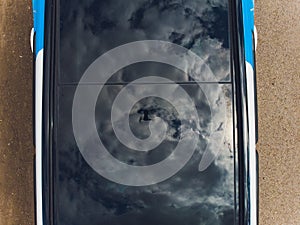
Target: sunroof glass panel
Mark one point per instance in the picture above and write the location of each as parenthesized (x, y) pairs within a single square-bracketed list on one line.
[(89, 29)]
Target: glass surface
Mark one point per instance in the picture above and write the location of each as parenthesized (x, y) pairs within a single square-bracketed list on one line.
[(189, 197), (82, 195), (89, 29)]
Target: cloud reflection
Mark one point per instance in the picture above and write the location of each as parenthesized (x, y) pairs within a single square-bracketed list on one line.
[(90, 28)]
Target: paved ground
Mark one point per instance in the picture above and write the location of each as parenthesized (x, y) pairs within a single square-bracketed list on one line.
[(16, 150), (278, 62), (278, 65)]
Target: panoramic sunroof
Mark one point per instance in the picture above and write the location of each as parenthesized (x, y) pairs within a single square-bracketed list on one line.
[(143, 123)]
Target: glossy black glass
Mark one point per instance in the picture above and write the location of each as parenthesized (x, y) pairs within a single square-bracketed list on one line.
[(88, 29)]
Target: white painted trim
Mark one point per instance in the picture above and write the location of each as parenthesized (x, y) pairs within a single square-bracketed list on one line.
[(255, 37), (31, 38), (38, 134), (252, 142)]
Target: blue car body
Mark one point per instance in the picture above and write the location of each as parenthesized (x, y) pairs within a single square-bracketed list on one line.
[(248, 48)]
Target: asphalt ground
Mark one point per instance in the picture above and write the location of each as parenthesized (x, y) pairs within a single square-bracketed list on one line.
[(278, 79)]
